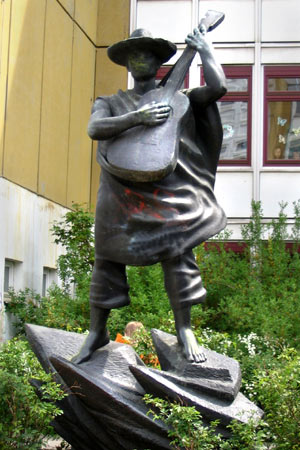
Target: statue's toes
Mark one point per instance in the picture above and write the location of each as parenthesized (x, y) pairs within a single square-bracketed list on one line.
[(194, 355), (198, 356), (190, 357)]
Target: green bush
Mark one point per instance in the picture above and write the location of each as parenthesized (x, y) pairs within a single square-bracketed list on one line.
[(278, 391), (271, 379), (258, 290), (187, 430), (24, 419), (57, 310)]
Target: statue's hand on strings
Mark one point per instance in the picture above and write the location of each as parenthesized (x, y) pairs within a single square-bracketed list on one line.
[(153, 113)]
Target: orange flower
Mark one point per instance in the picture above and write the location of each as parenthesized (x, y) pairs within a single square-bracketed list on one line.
[(150, 359), (121, 339)]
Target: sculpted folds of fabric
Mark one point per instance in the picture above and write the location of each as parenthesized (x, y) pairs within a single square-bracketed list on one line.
[(144, 223)]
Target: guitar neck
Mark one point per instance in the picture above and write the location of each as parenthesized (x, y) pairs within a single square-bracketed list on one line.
[(179, 71), (175, 77)]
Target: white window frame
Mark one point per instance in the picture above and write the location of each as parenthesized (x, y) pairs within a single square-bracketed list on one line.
[(8, 282), (49, 276)]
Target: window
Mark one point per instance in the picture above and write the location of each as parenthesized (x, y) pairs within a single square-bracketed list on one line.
[(13, 276), (165, 69), (49, 277), (282, 116), (45, 282), (235, 111), (8, 277)]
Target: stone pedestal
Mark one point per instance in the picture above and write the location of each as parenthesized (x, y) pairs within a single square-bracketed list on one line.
[(105, 410)]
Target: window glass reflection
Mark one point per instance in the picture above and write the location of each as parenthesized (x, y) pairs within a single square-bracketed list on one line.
[(284, 130), (234, 117), (237, 84), (283, 84)]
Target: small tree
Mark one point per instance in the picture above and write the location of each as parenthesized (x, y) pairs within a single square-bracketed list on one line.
[(75, 232)]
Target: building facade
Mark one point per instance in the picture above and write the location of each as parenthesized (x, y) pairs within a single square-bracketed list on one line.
[(53, 64), (258, 45)]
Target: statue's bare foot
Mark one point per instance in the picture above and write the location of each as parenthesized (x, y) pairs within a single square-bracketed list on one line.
[(94, 340), (191, 348)]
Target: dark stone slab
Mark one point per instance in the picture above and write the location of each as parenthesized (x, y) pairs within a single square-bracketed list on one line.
[(125, 414), (111, 364), (219, 375), (211, 408), (105, 405), (49, 341), (222, 390), (105, 409)]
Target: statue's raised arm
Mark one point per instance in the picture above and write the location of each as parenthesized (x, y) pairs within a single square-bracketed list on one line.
[(213, 73)]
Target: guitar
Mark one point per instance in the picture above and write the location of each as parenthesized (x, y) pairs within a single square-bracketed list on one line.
[(145, 154)]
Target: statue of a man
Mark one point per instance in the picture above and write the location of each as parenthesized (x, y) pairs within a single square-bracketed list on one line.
[(142, 223)]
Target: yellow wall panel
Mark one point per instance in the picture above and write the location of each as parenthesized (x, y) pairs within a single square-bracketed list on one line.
[(24, 92), (4, 42), (86, 15), (109, 79), (69, 6), (109, 76), (55, 104), (113, 21), (51, 82), (80, 145)]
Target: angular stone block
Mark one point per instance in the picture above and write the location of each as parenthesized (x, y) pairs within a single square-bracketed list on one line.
[(105, 409), (219, 375), (210, 407), (49, 341)]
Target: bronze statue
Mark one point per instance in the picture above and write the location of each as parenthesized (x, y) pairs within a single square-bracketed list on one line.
[(156, 200)]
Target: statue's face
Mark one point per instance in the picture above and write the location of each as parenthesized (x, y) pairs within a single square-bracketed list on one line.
[(142, 64)]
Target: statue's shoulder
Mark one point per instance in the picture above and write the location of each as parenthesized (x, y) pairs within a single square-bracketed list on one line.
[(100, 103), (116, 104)]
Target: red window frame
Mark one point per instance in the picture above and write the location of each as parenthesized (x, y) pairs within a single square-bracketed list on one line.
[(234, 246), (237, 72), (278, 72), (163, 70), (240, 246), (242, 96)]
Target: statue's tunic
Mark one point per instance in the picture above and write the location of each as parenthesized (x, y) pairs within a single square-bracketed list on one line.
[(144, 223)]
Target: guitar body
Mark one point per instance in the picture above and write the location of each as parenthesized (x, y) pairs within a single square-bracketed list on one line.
[(144, 153)]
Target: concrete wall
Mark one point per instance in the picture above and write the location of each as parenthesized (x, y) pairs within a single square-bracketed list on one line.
[(26, 240)]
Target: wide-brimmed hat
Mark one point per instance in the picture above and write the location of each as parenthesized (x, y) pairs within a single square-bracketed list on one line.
[(141, 39)]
